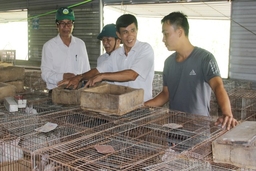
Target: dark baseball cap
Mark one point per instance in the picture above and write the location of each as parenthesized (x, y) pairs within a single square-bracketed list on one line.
[(108, 30)]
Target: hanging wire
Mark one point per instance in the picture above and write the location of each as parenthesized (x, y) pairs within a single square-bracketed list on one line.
[(54, 11)]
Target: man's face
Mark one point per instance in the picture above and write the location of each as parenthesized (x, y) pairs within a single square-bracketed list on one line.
[(65, 27), (109, 44), (128, 35), (170, 36)]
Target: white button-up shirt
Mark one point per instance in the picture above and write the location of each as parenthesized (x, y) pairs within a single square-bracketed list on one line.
[(140, 59), (57, 59)]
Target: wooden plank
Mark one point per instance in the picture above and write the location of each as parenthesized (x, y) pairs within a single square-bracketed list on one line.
[(243, 134)]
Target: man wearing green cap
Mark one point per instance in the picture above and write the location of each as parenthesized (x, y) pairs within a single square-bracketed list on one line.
[(110, 42), (65, 55)]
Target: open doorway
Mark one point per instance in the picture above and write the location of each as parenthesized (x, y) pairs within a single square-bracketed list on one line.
[(14, 33)]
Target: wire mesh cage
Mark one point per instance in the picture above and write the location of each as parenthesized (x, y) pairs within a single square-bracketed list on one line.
[(157, 84), (231, 86), (203, 151), (180, 164), (82, 119), (251, 118), (19, 140), (143, 139), (82, 154), (133, 145), (243, 103), (34, 82), (30, 111), (183, 163)]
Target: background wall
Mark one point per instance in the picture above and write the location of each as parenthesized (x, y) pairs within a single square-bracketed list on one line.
[(242, 63), (41, 24)]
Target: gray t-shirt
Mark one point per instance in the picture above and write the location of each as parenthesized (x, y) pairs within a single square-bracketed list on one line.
[(187, 81)]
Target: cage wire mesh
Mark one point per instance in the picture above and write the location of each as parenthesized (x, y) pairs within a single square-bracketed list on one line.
[(82, 119), (81, 154), (37, 104), (33, 81), (243, 103), (72, 124), (134, 143), (20, 141), (194, 129), (180, 164), (144, 139), (188, 164), (157, 84), (203, 151), (251, 118), (136, 114)]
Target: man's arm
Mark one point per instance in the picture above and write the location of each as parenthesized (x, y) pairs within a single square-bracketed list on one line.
[(160, 99), (74, 81), (227, 119), (120, 76)]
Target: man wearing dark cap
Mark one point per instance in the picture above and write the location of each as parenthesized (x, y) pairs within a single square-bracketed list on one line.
[(65, 55), (110, 42), (132, 65)]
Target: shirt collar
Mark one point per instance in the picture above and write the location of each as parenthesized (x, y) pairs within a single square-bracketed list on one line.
[(60, 41), (134, 48)]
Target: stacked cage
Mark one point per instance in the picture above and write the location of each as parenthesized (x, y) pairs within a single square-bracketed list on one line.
[(37, 104), (20, 141), (144, 139), (82, 154), (34, 82), (158, 86), (233, 88), (243, 103), (160, 137)]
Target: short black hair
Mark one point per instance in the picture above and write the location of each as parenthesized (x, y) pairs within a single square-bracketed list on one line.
[(125, 20), (177, 19)]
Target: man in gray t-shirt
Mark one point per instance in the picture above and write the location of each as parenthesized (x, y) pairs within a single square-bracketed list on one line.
[(188, 81), (190, 74)]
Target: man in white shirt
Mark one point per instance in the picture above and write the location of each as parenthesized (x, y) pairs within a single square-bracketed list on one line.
[(131, 65), (110, 42), (65, 55)]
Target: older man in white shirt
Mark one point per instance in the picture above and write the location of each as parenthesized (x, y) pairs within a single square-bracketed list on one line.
[(65, 55), (110, 42)]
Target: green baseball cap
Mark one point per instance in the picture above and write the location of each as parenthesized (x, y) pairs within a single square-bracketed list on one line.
[(65, 13), (108, 30)]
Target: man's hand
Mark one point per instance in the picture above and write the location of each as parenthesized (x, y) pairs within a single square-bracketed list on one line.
[(92, 81), (68, 75), (71, 82), (226, 121)]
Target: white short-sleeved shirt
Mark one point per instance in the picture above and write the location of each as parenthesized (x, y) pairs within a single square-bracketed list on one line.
[(102, 58), (140, 59), (57, 59)]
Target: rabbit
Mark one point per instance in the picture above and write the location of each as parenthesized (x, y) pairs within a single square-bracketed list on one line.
[(10, 151)]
